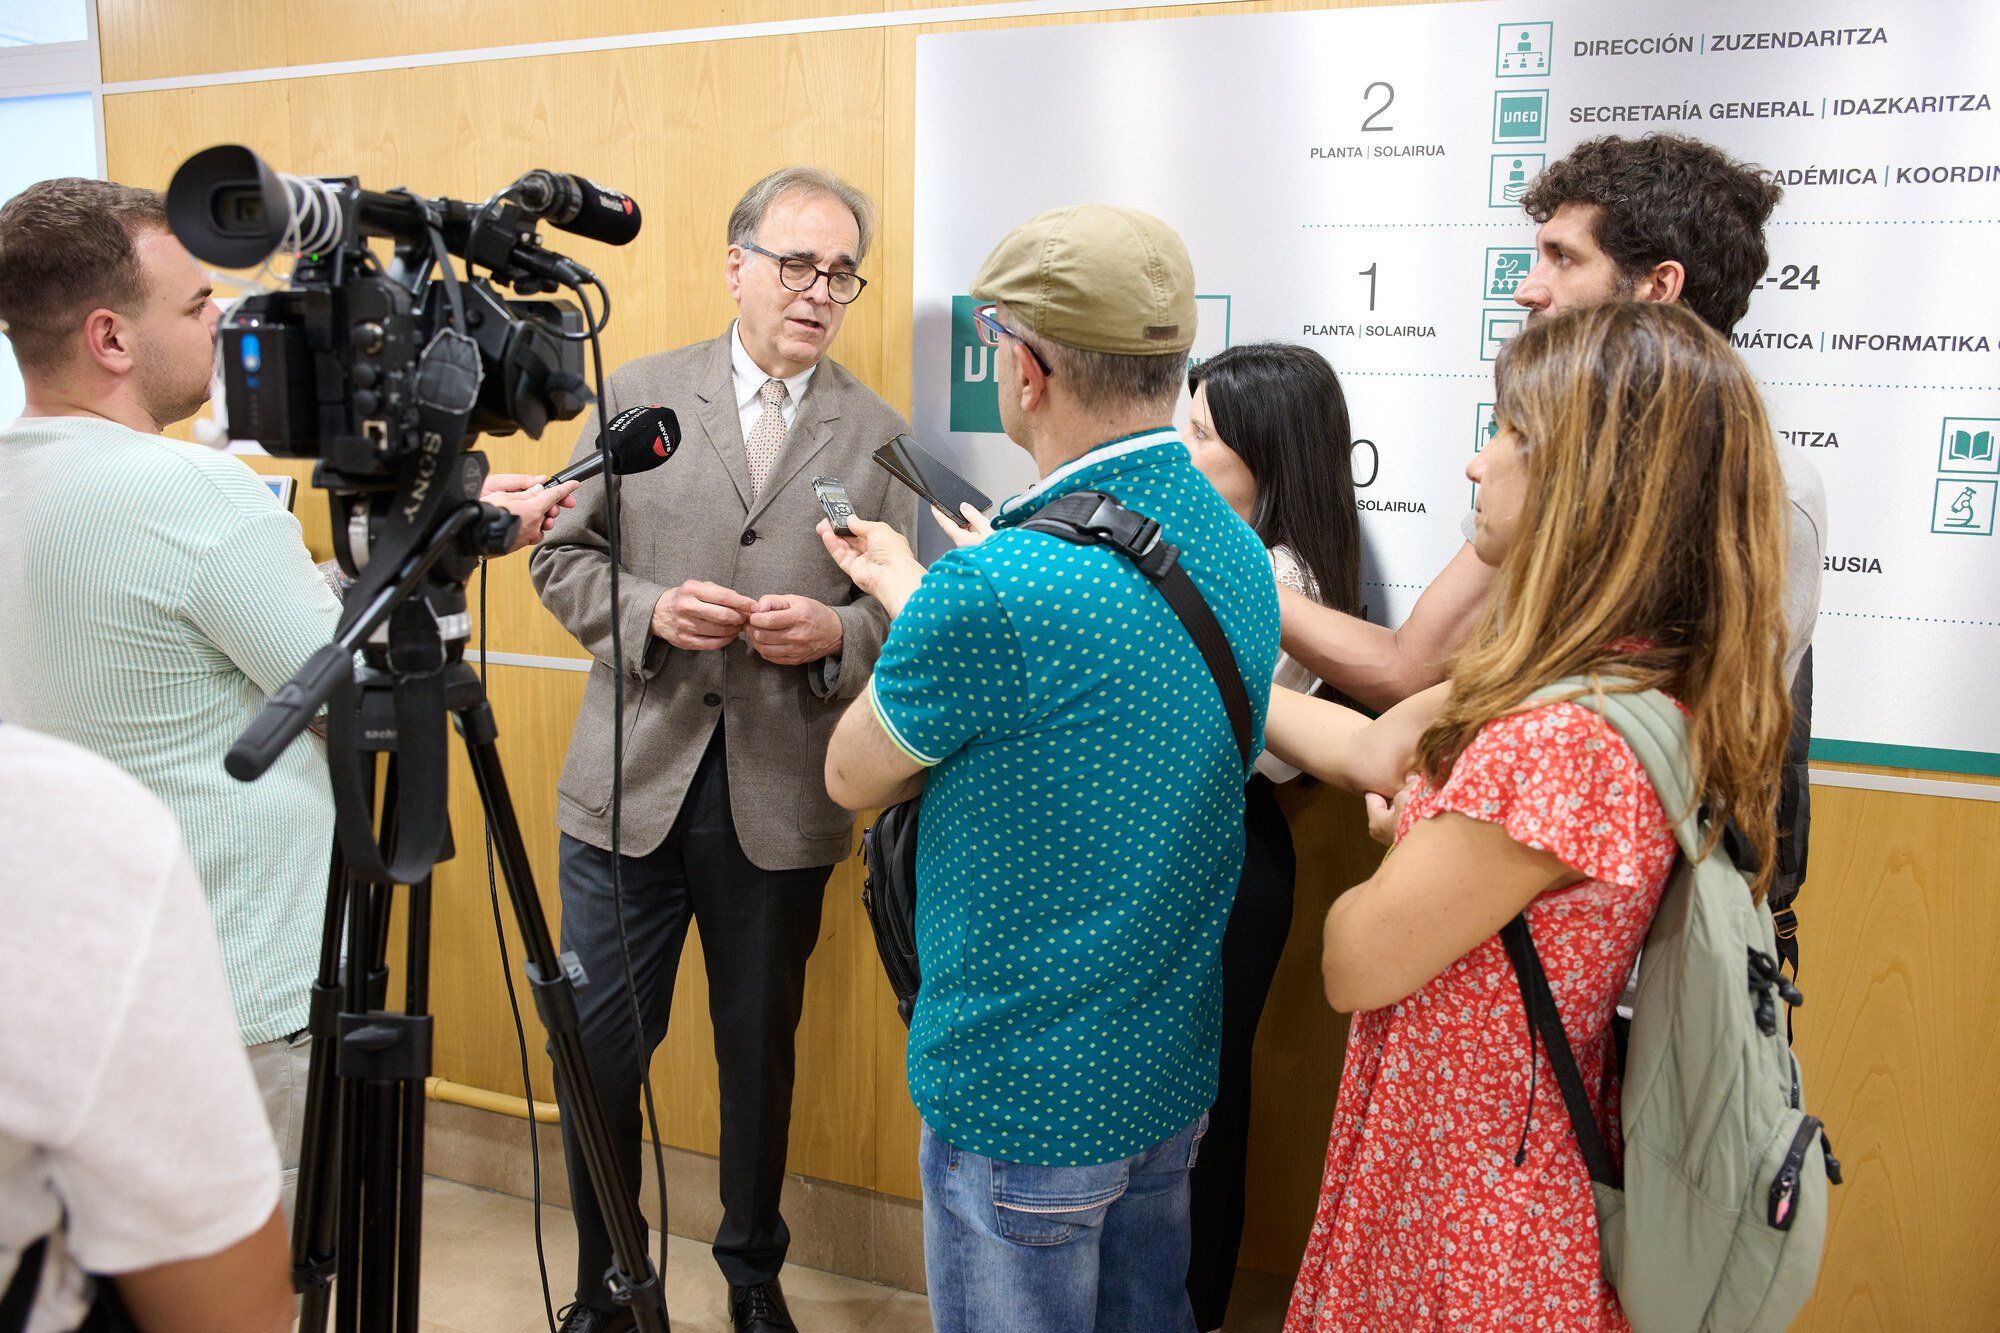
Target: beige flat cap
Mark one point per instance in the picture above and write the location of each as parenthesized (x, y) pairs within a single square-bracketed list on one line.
[(1096, 277)]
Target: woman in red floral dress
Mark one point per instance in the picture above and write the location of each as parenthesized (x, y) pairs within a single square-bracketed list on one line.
[(1632, 501)]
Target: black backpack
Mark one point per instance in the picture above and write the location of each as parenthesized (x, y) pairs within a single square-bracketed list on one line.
[(889, 846), (889, 892)]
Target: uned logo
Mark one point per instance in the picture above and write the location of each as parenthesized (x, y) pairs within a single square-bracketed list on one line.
[(975, 407)]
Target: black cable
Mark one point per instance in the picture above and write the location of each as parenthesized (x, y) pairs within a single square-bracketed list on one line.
[(479, 218), (592, 327), (594, 322), (514, 1001)]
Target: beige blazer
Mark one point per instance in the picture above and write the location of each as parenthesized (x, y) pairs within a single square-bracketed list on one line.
[(692, 518)]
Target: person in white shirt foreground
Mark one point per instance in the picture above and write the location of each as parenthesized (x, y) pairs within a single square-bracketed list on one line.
[(133, 1143)]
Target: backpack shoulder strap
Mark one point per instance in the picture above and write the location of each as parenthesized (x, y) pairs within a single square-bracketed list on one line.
[(1657, 734), (1656, 731), (1092, 518), (1545, 1022)]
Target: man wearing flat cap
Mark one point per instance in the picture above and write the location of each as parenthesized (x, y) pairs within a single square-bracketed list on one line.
[(1083, 803)]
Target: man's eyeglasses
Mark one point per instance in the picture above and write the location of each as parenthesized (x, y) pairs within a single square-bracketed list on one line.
[(986, 319), (799, 275)]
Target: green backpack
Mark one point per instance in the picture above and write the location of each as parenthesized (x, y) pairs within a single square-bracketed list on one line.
[(1720, 1218)]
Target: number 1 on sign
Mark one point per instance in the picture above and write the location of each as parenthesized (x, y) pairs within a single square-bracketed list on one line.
[(1369, 273)]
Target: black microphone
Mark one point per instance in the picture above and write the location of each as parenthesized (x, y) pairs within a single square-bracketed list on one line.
[(639, 439), (580, 207)]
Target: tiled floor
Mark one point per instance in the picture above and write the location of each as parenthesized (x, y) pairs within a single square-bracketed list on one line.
[(479, 1277)]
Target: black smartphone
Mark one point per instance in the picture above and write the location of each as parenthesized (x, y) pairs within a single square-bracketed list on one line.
[(908, 462), (833, 499)]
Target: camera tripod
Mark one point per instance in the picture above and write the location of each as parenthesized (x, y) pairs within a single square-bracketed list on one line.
[(359, 1210)]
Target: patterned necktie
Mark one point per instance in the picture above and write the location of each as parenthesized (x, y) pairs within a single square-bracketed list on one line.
[(767, 437)]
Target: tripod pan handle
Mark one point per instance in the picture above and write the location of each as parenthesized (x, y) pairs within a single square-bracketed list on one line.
[(287, 713)]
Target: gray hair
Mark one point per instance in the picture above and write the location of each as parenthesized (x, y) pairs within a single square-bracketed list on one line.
[(1109, 379), (748, 215)]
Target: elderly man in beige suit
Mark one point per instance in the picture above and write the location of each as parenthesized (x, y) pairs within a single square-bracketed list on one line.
[(740, 642)]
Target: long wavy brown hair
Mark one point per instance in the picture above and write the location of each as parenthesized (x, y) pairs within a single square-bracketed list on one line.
[(1651, 549)]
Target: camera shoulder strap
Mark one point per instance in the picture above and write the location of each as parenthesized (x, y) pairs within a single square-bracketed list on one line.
[(420, 737)]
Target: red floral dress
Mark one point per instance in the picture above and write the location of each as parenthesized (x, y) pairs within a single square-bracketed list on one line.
[(1425, 1221)]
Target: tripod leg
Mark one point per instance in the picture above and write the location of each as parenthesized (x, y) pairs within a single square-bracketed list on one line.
[(385, 1058), (365, 1093), (376, 1263), (313, 1261), (410, 1224), (360, 931), (633, 1279), (381, 1138)]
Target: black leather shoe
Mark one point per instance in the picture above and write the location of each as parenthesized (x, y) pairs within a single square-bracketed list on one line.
[(580, 1318), (760, 1309)]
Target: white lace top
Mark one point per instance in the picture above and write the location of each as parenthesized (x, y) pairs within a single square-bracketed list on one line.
[(1287, 569)]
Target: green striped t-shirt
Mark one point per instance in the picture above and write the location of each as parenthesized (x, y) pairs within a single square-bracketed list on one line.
[(152, 593)]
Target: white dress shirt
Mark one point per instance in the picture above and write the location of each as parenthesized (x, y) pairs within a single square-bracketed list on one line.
[(750, 377)]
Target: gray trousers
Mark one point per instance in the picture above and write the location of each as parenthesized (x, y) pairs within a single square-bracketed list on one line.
[(280, 1069)]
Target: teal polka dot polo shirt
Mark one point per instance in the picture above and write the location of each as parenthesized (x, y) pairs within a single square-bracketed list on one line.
[(1083, 818)]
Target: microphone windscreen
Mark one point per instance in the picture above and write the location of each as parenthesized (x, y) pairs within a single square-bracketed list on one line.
[(640, 438), (599, 213)]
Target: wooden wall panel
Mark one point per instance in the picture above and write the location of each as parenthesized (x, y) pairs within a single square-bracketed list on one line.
[(151, 39), (685, 128), (1901, 1031), (833, 1123), (1900, 1038), (1301, 1041)]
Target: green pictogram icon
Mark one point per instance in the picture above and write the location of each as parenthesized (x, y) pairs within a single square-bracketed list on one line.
[(1506, 270), (1967, 444), (1964, 507), (1523, 50), (1496, 327), (1485, 425), (1510, 176)]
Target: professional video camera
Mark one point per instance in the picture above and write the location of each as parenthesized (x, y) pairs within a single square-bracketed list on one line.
[(347, 365), (386, 374)]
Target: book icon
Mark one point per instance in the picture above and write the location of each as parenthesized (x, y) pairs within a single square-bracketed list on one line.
[(1970, 446), (1966, 444)]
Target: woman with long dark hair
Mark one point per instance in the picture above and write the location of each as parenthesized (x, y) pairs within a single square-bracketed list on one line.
[(1268, 427)]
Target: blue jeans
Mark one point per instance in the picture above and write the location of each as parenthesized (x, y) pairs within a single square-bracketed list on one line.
[(1058, 1249)]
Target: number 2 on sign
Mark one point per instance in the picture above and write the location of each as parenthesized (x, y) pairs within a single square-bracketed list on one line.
[(1368, 125)]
